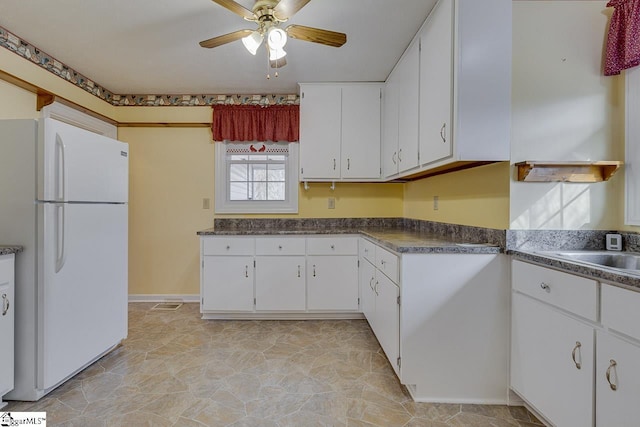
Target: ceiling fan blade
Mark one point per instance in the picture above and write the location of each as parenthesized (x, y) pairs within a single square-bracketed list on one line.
[(224, 39), (287, 8), (236, 8), (316, 35)]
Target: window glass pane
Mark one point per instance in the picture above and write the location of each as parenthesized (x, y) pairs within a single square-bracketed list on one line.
[(276, 172), (258, 172), (259, 191), (238, 191), (276, 190), (238, 172), (239, 157)]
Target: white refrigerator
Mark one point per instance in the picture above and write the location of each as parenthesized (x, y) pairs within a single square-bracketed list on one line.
[(63, 196)]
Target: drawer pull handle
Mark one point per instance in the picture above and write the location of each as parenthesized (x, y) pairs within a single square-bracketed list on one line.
[(246, 271), (5, 304), (442, 132), (545, 287), (573, 355), (298, 271), (375, 289), (371, 283), (393, 158), (612, 364), (314, 270)]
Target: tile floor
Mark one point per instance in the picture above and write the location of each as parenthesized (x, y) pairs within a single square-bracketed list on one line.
[(175, 369)]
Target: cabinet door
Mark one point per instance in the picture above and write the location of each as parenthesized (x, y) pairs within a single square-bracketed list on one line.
[(390, 117), (387, 323), (332, 283), (544, 358), (320, 127), (280, 283), (360, 132), (367, 293), (618, 367), (408, 80), (436, 90), (7, 304), (227, 283)]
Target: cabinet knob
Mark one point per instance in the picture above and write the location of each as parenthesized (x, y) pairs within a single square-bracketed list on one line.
[(545, 287), (5, 304), (573, 355), (333, 246), (280, 247), (612, 365), (228, 247)]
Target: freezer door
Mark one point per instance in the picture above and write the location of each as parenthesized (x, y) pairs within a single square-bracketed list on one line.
[(80, 166), (82, 286)]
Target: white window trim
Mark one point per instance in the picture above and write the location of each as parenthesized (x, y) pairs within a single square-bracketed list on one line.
[(225, 206), (632, 147)]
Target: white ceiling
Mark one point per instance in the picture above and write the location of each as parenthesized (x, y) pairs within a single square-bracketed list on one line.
[(151, 46)]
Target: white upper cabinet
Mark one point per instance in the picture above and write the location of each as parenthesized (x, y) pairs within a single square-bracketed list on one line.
[(320, 128), (340, 132), (458, 108), (436, 69)]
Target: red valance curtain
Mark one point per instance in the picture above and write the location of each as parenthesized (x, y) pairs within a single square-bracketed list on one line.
[(256, 123), (623, 41)]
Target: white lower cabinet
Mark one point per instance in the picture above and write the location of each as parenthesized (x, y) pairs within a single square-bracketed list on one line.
[(227, 283), (617, 381), (552, 362), (6, 324), (442, 321), (332, 273), (618, 358), (552, 343), (279, 277), (280, 283)]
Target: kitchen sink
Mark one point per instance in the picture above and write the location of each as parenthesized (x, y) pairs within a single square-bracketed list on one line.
[(627, 261)]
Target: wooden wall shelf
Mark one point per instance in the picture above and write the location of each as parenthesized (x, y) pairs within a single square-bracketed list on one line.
[(583, 172)]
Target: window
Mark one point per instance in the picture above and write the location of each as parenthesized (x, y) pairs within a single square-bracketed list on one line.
[(256, 177)]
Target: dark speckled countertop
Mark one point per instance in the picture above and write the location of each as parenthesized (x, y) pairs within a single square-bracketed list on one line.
[(395, 237), (7, 250)]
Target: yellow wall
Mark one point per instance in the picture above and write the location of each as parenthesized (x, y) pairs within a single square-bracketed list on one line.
[(170, 172), (16, 103), (477, 197)]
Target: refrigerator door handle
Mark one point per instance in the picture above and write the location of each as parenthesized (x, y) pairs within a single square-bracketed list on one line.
[(60, 232), (61, 175)]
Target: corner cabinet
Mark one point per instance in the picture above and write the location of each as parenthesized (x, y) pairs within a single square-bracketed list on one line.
[(414, 300), (340, 131), (278, 277), (463, 91), (6, 324)]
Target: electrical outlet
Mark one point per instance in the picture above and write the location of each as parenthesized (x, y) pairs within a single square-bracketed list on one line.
[(436, 200), (206, 203), (331, 203)]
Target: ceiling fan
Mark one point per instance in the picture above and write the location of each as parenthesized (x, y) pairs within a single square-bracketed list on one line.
[(268, 15)]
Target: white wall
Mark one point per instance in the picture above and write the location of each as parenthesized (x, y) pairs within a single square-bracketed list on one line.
[(564, 109)]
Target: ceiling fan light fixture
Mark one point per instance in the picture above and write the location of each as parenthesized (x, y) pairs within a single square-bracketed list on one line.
[(276, 38), (252, 42), (276, 54)]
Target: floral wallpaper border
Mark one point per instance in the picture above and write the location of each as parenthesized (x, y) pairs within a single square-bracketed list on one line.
[(27, 51)]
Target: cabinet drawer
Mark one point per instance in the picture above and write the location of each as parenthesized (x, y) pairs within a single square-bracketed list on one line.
[(332, 245), (619, 310), (387, 262), (575, 294), (227, 245), (367, 250), (280, 246)]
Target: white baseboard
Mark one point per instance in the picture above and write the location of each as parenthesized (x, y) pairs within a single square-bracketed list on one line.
[(163, 298)]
